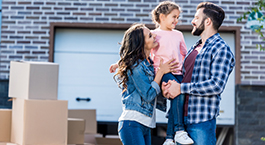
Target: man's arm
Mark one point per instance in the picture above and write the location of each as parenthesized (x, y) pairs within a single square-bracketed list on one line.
[(221, 66)]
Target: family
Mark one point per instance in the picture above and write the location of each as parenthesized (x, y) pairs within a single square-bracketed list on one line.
[(155, 65)]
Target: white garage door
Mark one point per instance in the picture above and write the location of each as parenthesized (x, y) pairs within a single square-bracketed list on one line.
[(84, 56)]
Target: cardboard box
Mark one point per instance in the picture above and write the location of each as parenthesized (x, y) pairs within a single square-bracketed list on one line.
[(5, 125), (76, 131), (39, 122), (7, 143), (91, 138), (82, 144), (108, 141), (89, 116), (33, 80)]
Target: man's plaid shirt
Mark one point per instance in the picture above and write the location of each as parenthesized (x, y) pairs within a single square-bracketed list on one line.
[(211, 70)]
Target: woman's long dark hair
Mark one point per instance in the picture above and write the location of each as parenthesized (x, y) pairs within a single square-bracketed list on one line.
[(131, 51)]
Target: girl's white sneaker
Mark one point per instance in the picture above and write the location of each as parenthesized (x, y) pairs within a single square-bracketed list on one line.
[(169, 142), (183, 138)]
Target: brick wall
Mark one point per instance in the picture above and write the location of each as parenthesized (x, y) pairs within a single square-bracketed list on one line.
[(25, 27), (250, 116)]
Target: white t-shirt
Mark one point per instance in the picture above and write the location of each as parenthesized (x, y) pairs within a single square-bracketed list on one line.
[(139, 117)]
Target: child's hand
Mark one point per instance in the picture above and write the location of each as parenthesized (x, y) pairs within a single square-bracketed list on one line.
[(113, 68)]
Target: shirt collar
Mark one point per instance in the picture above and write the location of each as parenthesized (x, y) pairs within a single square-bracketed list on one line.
[(213, 38), (209, 40)]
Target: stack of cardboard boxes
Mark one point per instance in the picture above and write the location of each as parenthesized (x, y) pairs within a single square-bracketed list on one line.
[(38, 117)]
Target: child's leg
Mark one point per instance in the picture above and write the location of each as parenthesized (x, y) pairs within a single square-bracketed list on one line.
[(181, 136), (177, 111), (170, 125), (177, 108)]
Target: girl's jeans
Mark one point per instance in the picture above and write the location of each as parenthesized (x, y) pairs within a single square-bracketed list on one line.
[(134, 133), (176, 111)]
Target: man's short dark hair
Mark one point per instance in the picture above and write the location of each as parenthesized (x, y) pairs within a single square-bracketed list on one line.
[(214, 12)]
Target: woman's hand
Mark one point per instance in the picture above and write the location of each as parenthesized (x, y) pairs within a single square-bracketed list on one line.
[(164, 88), (113, 67), (164, 68), (168, 66)]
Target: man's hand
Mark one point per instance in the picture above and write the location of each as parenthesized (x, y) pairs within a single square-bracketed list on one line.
[(171, 89)]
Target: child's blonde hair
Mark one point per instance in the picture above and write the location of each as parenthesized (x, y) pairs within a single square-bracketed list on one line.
[(165, 7)]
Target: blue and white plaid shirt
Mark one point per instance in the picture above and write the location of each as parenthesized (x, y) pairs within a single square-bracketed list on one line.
[(211, 70)]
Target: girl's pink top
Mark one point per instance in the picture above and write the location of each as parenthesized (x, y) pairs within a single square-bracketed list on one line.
[(171, 44)]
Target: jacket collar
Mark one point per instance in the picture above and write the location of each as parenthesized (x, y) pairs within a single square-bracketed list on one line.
[(147, 63)]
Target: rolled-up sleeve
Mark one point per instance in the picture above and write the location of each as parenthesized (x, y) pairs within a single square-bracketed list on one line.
[(156, 87)]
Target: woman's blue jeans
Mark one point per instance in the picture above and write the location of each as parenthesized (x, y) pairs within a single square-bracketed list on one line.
[(134, 133), (176, 111)]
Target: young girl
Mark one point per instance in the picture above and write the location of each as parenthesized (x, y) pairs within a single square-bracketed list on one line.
[(140, 85), (171, 45)]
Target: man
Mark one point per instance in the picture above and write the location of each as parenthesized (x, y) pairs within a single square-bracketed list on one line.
[(206, 70)]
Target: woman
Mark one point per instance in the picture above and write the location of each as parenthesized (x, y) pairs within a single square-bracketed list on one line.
[(139, 84)]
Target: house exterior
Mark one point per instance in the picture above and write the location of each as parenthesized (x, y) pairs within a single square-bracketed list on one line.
[(31, 31)]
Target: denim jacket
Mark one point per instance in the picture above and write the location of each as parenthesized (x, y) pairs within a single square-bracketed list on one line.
[(142, 90)]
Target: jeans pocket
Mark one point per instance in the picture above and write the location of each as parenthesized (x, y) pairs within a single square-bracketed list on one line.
[(120, 125)]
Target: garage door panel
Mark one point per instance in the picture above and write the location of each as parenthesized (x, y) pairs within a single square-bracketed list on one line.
[(85, 69), (101, 99), (76, 79), (95, 40)]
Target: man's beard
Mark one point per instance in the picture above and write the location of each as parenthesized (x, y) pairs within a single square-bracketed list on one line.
[(198, 31)]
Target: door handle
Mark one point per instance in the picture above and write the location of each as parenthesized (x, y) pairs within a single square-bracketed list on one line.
[(82, 99)]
